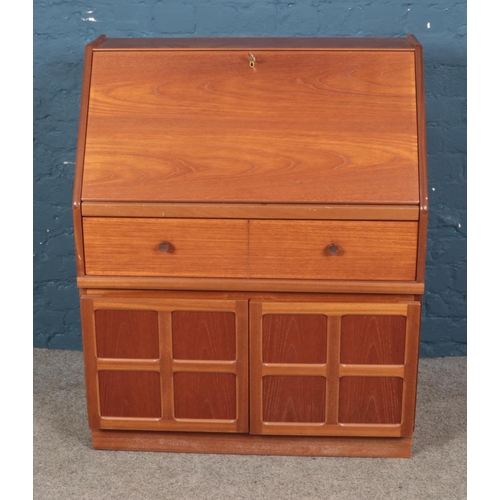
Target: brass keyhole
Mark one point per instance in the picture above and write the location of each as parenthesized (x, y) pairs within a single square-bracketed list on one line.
[(252, 60)]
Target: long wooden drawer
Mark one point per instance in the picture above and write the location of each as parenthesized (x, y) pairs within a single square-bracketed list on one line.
[(361, 250), (196, 247)]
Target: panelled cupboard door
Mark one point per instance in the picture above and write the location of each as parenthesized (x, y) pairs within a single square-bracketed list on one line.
[(166, 364), (333, 369)]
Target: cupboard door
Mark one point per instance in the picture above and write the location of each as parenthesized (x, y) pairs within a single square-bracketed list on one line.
[(346, 369), (166, 364)]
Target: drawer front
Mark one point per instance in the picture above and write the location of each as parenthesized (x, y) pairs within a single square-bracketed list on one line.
[(197, 248), (310, 126), (362, 250)]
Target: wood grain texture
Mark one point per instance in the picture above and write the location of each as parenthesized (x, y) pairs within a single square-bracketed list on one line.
[(411, 368), (205, 366), (322, 429), (368, 250), (242, 367), (288, 130), (373, 340), (130, 247), (245, 296), (80, 155), (250, 211), (255, 366), (293, 399), (166, 372), (127, 334), (370, 400), (129, 394), (116, 283), (182, 134), (165, 368), (205, 395), (143, 303), (90, 360), (332, 371), (283, 43), (141, 365), (335, 309), (289, 338), (204, 335), (371, 371), (422, 159), (176, 425), (294, 368), (249, 444)]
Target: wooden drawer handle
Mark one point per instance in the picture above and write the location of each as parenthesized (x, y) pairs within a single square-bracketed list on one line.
[(333, 249), (164, 246)]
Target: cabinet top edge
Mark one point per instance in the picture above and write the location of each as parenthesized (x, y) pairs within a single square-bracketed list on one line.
[(240, 43)]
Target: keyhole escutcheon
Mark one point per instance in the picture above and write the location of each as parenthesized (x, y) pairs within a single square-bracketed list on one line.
[(252, 60)]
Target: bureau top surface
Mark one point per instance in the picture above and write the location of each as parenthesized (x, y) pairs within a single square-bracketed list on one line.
[(256, 124), (257, 43)]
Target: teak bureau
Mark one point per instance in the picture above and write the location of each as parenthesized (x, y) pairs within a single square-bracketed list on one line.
[(250, 225)]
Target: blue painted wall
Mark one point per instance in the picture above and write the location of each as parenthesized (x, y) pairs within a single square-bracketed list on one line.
[(63, 27)]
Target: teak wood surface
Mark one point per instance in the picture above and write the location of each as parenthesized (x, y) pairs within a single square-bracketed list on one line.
[(167, 393), (348, 399), (422, 159), (251, 211), (252, 285), (80, 155), (245, 444), (250, 171), (205, 126), (367, 250), (131, 247)]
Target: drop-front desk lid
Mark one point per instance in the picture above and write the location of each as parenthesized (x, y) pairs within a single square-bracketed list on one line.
[(244, 121)]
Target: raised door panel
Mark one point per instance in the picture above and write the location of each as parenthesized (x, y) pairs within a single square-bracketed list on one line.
[(127, 334), (284, 341), (203, 335), (336, 369), (166, 364), (370, 400), (129, 394), (373, 340), (206, 126), (206, 396), (293, 398)]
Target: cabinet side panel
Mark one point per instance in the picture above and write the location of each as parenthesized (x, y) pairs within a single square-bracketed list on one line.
[(80, 155), (422, 163)]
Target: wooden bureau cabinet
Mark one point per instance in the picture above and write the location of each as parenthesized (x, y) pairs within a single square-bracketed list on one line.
[(250, 228)]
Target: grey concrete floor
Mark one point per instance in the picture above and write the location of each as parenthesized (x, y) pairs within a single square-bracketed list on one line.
[(66, 467)]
